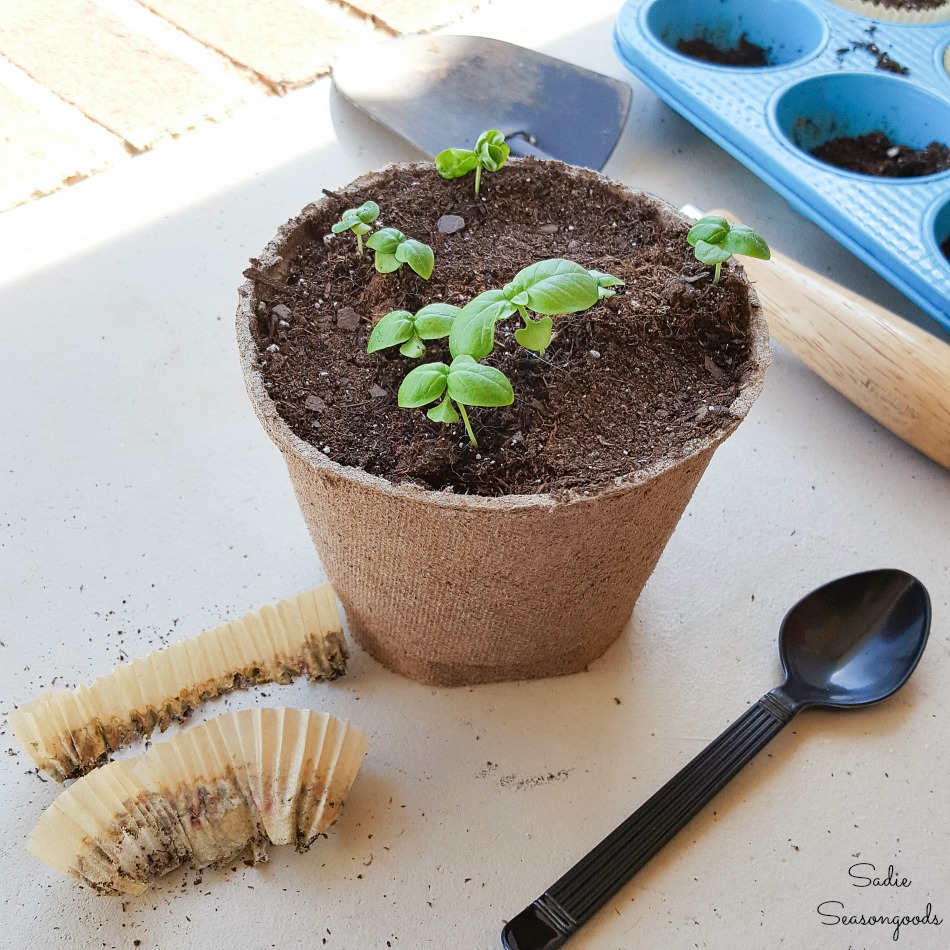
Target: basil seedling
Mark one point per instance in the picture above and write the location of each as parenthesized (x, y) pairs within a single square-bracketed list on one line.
[(714, 240), (393, 249), (464, 383), (549, 288), (357, 221), (432, 322), (490, 153)]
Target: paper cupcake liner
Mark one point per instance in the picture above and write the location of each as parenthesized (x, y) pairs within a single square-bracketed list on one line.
[(233, 786), (69, 732), (877, 11)]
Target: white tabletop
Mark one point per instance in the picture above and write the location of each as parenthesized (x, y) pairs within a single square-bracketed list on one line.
[(140, 502)]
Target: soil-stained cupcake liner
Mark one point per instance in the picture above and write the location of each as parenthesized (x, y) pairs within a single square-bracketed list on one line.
[(234, 785), (550, 581), (878, 11), (69, 732)]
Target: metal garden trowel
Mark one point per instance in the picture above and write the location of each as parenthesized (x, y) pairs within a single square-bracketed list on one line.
[(440, 91)]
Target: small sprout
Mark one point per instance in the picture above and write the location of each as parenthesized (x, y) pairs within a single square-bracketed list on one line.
[(714, 240), (549, 288), (357, 221), (393, 249), (464, 383), (490, 153), (432, 322)]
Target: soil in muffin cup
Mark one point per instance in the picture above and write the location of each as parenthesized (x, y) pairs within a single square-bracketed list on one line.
[(910, 5), (622, 385), (875, 154), (744, 53)]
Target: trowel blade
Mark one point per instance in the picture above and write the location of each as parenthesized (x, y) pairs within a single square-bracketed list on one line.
[(443, 91)]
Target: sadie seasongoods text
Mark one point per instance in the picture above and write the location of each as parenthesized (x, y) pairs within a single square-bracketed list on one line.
[(864, 874)]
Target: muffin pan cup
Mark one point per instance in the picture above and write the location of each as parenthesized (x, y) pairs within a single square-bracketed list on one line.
[(821, 82)]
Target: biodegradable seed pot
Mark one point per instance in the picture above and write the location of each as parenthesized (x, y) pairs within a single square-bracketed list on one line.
[(522, 555)]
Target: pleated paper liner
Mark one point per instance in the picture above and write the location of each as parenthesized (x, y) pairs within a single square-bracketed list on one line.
[(69, 732), (230, 787), (921, 16)]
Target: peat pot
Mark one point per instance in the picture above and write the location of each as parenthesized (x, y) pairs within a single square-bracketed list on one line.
[(449, 587)]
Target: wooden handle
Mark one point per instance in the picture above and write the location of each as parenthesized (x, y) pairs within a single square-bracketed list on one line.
[(896, 372)]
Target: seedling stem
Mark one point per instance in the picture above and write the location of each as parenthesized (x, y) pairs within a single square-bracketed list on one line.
[(468, 425)]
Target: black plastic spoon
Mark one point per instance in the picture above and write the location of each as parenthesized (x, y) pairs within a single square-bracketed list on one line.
[(853, 642)]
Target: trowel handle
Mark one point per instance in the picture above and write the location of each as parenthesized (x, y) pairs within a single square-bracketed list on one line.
[(896, 372)]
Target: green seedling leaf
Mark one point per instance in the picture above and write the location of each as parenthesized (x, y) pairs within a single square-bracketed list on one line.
[(434, 321), (414, 348), (444, 412), (473, 384), (368, 211), (386, 263), (554, 286), (711, 229), (386, 240), (491, 150), (395, 328), (714, 240), (423, 385), (357, 221), (605, 282), (743, 240), (490, 153), (473, 330), (393, 249), (359, 217), (536, 334), (350, 222), (707, 253), (417, 255), (604, 279), (455, 162)]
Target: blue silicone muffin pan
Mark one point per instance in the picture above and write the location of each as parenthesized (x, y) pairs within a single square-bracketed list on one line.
[(823, 81)]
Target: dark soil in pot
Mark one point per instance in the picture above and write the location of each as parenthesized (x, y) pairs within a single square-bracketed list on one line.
[(744, 53), (633, 380), (875, 154)]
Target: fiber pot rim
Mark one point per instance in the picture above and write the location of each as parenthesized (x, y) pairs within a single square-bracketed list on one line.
[(288, 441)]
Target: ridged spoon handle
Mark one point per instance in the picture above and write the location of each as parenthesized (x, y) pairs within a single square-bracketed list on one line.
[(556, 915)]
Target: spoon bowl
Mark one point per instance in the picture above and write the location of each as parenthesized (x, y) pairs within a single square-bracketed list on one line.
[(854, 641)]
